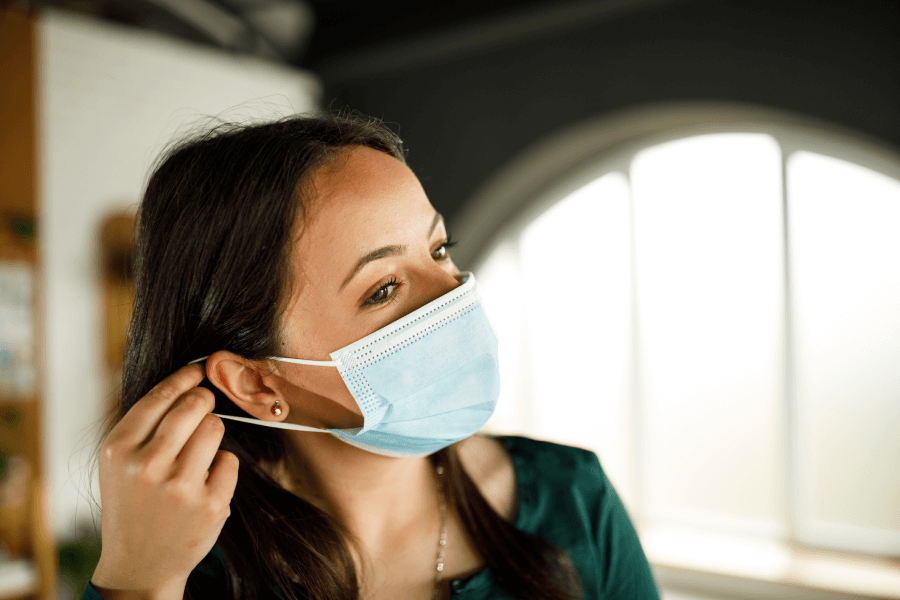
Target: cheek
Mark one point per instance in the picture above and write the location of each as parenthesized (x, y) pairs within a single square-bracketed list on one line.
[(320, 392), (450, 267), (314, 337), (324, 383), (316, 326)]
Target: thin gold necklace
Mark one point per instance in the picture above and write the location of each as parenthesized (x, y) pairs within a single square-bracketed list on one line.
[(442, 541)]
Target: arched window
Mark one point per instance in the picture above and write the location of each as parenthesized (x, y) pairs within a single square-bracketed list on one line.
[(709, 298)]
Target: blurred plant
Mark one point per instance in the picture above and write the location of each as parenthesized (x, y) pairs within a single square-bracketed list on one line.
[(77, 560)]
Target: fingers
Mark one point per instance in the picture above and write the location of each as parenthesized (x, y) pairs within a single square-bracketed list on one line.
[(223, 477), (179, 424), (200, 450), (144, 417)]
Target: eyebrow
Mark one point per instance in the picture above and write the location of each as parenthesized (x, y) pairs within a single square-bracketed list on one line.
[(387, 251)]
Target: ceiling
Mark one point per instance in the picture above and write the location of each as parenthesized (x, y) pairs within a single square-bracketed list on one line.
[(300, 32), (346, 25)]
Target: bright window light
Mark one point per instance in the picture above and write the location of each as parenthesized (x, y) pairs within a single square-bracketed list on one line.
[(575, 262), (845, 266), (730, 385), (566, 315), (710, 280)]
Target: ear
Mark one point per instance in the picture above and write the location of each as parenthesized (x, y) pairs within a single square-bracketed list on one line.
[(245, 385)]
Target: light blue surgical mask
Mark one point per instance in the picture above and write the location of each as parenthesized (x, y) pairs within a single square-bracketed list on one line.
[(423, 382)]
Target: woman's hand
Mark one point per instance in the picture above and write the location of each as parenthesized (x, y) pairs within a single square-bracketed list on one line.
[(163, 505)]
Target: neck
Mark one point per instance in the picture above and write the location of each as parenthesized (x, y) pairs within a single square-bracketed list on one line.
[(375, 497)]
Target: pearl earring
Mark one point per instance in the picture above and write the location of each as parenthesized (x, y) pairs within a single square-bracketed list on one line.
[(276, 410)]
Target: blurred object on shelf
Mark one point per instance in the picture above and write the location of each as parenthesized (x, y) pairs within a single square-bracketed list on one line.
[(17, 360), (17, 230), (117, 281), (27, 561)]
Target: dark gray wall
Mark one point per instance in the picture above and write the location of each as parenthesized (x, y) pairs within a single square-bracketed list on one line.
[(464, 117)]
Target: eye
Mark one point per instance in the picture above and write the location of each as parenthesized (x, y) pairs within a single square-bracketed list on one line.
[(443, 251), (383, 293)]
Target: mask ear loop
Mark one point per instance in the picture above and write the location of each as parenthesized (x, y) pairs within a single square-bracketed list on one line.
[(280, 425), (315, 363), (296, 361), (277, 425)]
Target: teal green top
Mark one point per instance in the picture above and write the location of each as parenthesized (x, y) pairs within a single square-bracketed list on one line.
[(565, 498)]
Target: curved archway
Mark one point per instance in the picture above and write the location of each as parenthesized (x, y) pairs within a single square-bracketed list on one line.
[(560, 163)]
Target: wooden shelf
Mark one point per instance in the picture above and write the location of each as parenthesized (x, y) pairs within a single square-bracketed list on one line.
[(30, 559)]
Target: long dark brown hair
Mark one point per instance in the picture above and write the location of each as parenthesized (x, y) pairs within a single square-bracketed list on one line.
[(212, 273)]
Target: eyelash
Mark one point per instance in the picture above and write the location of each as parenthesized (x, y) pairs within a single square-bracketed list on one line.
[(385, 286), (447, 245), (394, 283)]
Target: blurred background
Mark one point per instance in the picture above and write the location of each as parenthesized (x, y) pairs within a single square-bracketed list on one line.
[(684, 214)]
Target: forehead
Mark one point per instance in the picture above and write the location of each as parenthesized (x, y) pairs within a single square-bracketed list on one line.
[(357, 173), (362, 200)]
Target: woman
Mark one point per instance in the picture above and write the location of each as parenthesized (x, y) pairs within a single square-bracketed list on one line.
[(299, 266)]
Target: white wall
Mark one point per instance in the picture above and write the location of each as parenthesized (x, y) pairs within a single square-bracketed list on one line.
[(110, 98)]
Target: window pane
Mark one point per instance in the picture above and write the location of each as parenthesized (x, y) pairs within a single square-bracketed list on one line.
[(576, 282), (845, 281), (710, 300), (501, 290)]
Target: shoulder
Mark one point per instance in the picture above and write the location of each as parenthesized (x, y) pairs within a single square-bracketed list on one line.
[(509, 470), (551, 466), (561, 490), (550, 453), (559, 486), (566, 499)]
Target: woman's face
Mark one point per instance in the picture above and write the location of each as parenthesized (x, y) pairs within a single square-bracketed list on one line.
[(371, 250)]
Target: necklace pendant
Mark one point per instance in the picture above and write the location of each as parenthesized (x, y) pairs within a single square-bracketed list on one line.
[(442, 541)]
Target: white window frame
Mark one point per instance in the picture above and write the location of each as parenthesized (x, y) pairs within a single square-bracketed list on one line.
[(549, 170)]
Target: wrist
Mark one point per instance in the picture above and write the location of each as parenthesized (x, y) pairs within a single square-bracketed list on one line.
[(112, 588), (108, 593)]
